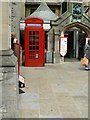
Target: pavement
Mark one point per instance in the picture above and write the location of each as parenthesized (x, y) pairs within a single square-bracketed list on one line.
[(8, 93), (54, 91)]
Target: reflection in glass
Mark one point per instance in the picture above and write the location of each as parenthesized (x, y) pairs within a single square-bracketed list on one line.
[(36, 43), (30, 32), (30, 42), (33, 47), (31, 37), (30, 47), (37, 47)]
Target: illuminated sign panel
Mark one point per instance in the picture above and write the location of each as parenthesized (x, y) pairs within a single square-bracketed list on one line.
[(33, 24)]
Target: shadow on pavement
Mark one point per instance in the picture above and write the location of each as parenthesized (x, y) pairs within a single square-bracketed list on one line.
[(21, 91)]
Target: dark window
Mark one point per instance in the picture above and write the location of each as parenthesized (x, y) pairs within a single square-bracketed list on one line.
[(33, 44), (64, 7), (53, 10), (32, 10)]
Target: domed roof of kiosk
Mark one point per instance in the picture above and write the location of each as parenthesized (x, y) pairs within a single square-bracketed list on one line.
[(44, 12)]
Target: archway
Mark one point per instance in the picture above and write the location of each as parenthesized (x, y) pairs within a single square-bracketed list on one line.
[(75, 32), (78, 25)]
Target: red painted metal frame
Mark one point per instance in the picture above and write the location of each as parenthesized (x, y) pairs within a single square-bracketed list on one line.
[(34, 20), (39, 62)]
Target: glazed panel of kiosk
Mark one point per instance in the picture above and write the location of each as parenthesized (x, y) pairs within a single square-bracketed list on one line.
[(34, 46)]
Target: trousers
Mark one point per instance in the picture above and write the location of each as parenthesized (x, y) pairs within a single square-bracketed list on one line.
[(88, 64)]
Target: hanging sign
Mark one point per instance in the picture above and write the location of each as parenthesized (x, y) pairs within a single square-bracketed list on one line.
[(63, 46)]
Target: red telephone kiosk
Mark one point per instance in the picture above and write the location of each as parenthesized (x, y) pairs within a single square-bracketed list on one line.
[(34, 42)]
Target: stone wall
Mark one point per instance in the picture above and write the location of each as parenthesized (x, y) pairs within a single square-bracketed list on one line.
[(41, 1), (15, 18), (4, 25), (9, 95), (8, 67), (89, 9), (17, 14)]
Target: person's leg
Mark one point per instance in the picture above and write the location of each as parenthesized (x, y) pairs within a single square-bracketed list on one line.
[(89, 65), (86, 67)]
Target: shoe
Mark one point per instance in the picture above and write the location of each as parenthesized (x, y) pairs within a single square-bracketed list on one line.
[(86, 68)]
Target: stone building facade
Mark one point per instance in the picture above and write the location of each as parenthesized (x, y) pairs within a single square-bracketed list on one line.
[(31, 6), (16, 16), (67, 23)]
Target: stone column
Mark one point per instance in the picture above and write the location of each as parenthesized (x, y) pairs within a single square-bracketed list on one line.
[(8, 66), (56, 51), (17, 13), (89, 9), (0, 26), (4, 26), (49, 50), (1, 60), (5, 34), (50, 41), (22, 9), (62, 33), (15, 18), (75, 44)]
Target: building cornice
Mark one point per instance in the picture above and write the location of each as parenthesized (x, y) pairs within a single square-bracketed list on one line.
[(38, 3)]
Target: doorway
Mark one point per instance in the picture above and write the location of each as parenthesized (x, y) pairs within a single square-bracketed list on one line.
[(70, 44), (76, 40), (81, 44)]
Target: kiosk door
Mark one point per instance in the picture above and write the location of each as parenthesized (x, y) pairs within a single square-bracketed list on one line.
[(34, 47)]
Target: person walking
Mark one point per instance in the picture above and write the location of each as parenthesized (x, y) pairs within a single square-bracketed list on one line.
[(81, 48), (87, 54), (13, 40)]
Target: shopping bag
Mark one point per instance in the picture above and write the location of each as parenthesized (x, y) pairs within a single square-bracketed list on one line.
[(84, 61)]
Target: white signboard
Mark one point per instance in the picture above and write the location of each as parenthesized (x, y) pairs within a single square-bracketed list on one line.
[(46, 26), (34, 25), (87, 39), (63, 46), (22, 26), (21, 79)]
